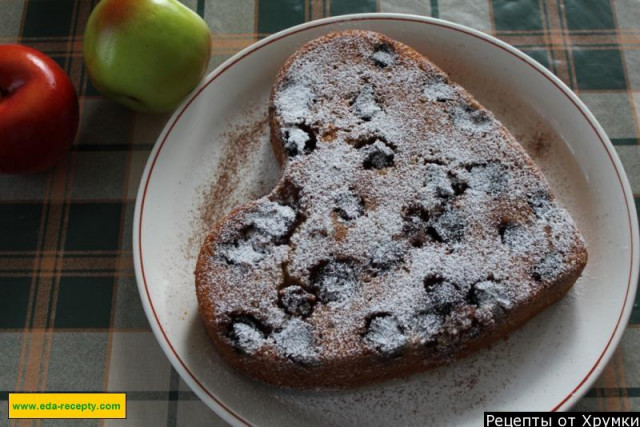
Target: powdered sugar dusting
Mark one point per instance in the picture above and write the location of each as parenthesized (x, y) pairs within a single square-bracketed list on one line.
[(296, 140), (274, 219), (385, 335), (365, 105), (440, 91), (415, 223), (293, 103), (295, 340), (269, 222), (248, 338)]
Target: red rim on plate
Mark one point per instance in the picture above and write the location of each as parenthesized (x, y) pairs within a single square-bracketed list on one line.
[(157, 326)]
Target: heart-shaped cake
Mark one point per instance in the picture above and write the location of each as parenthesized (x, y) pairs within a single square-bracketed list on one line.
[(409, 227)]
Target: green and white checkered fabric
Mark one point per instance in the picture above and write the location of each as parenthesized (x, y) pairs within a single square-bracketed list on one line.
[(70, 314)]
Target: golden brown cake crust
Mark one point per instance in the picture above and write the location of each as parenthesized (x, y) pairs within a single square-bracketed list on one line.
[(409, 227)]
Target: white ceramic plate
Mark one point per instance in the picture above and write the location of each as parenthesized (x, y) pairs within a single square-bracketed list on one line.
[(547, 365)]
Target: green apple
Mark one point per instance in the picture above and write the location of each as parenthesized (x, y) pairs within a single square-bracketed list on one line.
[(146, 54)]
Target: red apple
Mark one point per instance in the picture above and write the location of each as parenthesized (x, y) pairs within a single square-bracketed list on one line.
[(38, 110)]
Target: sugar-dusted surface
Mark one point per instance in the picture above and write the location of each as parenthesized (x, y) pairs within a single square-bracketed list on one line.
[(407, 211)]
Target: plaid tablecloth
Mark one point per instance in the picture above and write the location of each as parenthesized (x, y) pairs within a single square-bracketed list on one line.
[(70, 314)]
